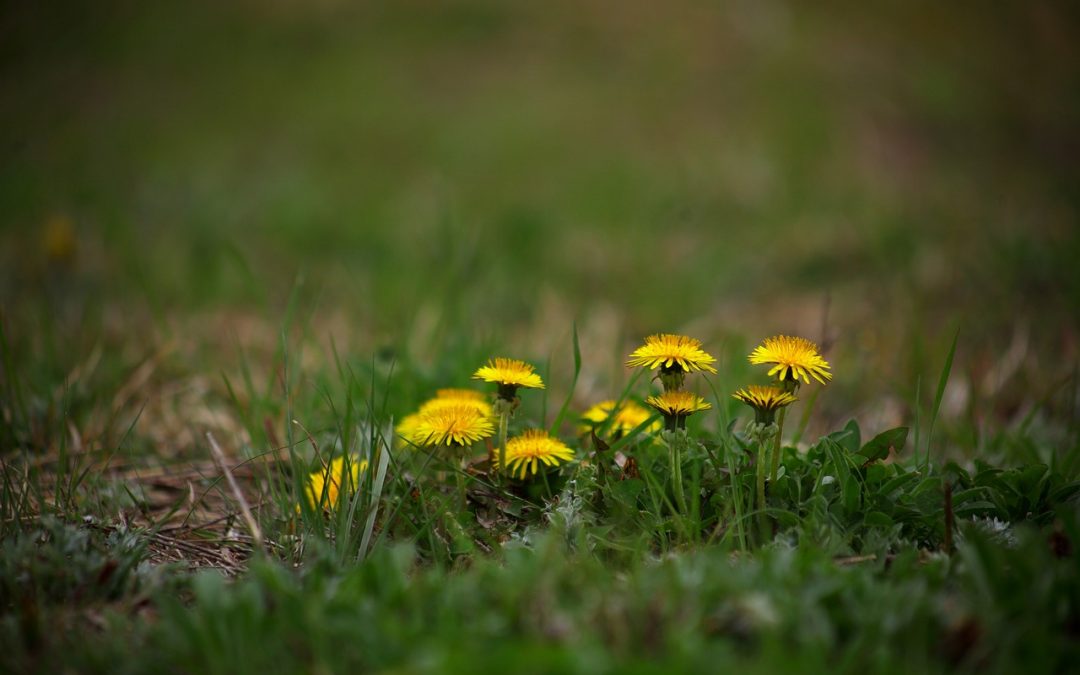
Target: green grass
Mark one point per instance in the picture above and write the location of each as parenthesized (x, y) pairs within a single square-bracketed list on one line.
[(288, 226), (861, 563)]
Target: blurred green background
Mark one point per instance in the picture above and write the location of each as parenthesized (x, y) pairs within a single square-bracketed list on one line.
[(868, 175)]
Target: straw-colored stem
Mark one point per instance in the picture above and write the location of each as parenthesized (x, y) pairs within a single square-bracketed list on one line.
[(245, 510)]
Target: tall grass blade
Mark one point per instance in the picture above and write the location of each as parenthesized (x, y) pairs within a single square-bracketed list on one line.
[(376, 496), (573, 385), (942, 381)]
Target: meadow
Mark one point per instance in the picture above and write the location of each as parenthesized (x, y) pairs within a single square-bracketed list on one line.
[(248, 253)]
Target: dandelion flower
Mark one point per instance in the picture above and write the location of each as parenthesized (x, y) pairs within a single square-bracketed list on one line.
[(460, 425), (672, 352), (794, 357), (444, 398), (457, 394), (408, 425), (509, 374), (624, 420), (325, 486), (526, 453), (676, 406), (448, 398), (765, 400)]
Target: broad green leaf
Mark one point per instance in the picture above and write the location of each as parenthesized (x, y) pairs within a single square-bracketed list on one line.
[(878, 519), (847, 438), (876, 474), (980, 506), (896, 483), (879, 446), (850, 492)]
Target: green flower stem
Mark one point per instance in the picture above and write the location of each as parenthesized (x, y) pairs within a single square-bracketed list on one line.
[(776, 447), (504, 420), (675, 453), (460, 475), (763, 521)]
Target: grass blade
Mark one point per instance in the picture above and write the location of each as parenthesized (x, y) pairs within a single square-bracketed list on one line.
[(376, 496), (573, 385), (942, 381)]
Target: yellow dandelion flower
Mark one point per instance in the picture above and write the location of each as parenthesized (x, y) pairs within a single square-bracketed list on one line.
[(509, 374), (794, 357), (672, 352), (444, 398), (460, 424), (408, 425), (449, 398), (327, 485), (676, 406), (526, 453), (623, 421), (457, 394), (765, 400)]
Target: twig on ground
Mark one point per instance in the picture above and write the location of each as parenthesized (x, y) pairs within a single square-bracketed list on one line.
[(219, 457)]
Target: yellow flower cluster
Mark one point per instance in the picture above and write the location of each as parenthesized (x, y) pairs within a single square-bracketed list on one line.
[(527, 453), (791, 358), (460, 418), (674, 356)]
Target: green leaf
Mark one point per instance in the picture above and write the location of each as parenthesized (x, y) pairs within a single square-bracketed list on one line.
[(876, 474), (847, 438), (1064, 492), (1032, 482), (628, 490), (989, 477), (784, 517), (879, 447), (959, 473), (980, 506), (896, 483), (878, 519), (850, 492)]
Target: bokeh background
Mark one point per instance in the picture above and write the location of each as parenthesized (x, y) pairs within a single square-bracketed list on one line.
[(418, 174)]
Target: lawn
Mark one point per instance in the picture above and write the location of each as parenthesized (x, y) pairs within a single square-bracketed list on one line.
[(240, 244)]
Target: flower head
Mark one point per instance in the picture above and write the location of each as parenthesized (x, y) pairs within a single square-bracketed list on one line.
[(794, 357), (459, 424), (672, 352), (407, 427), (624, 420), (509, 374), (456, 394), (765, 400), (448, 398), (327, 485), (526, 453), (676, 406)]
